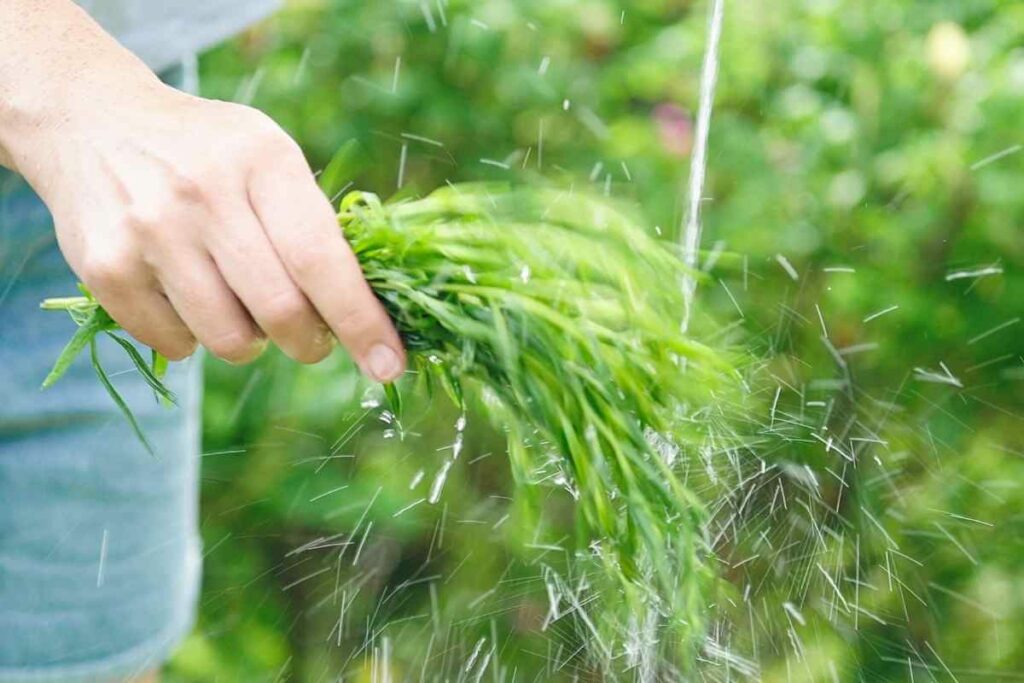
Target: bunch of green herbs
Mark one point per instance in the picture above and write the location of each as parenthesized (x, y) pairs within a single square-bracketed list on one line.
[(561, 313)]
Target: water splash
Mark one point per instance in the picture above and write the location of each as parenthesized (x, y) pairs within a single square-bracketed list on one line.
[(698, 162)]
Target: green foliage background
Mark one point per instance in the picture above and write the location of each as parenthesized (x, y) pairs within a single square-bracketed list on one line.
[(843, 140)]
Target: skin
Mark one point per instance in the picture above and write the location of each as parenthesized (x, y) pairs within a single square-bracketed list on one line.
[(190, 220)]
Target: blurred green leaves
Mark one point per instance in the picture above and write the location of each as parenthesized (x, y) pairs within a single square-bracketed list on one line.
[(848, 138)]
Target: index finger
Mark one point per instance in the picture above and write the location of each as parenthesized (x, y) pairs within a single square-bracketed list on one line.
[(304, 231)]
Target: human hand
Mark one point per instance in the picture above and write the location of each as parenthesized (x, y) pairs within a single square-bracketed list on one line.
[(193, 219)]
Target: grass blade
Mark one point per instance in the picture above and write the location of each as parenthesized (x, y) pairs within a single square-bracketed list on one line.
[(394, 397), (83, 336), (118, 400), (159, 388)]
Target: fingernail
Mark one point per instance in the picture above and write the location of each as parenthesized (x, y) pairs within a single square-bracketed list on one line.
[(383, 363), (258, 346), (324, 336)]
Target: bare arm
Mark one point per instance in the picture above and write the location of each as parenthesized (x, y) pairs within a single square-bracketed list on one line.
[(189, 219)]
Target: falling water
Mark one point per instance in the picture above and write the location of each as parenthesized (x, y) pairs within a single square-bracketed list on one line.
[(690, 234)]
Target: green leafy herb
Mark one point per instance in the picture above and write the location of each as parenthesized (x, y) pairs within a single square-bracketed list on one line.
[(562, 313), (93, 321)]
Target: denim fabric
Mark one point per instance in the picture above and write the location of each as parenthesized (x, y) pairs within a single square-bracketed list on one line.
[(161, 31), (99, 550)]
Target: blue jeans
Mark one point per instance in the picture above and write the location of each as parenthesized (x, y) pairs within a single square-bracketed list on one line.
[(99, 549)]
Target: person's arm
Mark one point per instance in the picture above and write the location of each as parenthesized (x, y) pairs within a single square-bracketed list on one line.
[(188, 219)]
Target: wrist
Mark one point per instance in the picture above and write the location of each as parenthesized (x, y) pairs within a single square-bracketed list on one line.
[(55, 143), (67, 71)]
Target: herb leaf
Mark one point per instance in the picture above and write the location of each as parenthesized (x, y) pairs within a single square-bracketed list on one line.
[(118, 400)]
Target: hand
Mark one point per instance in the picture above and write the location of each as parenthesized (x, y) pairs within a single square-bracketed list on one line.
[(192, 219)]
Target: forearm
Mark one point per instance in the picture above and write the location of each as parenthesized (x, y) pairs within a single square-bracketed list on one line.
[(188, 219), (55, 63)]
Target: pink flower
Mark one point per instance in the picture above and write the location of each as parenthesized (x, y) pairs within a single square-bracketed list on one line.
[(675, 129)]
